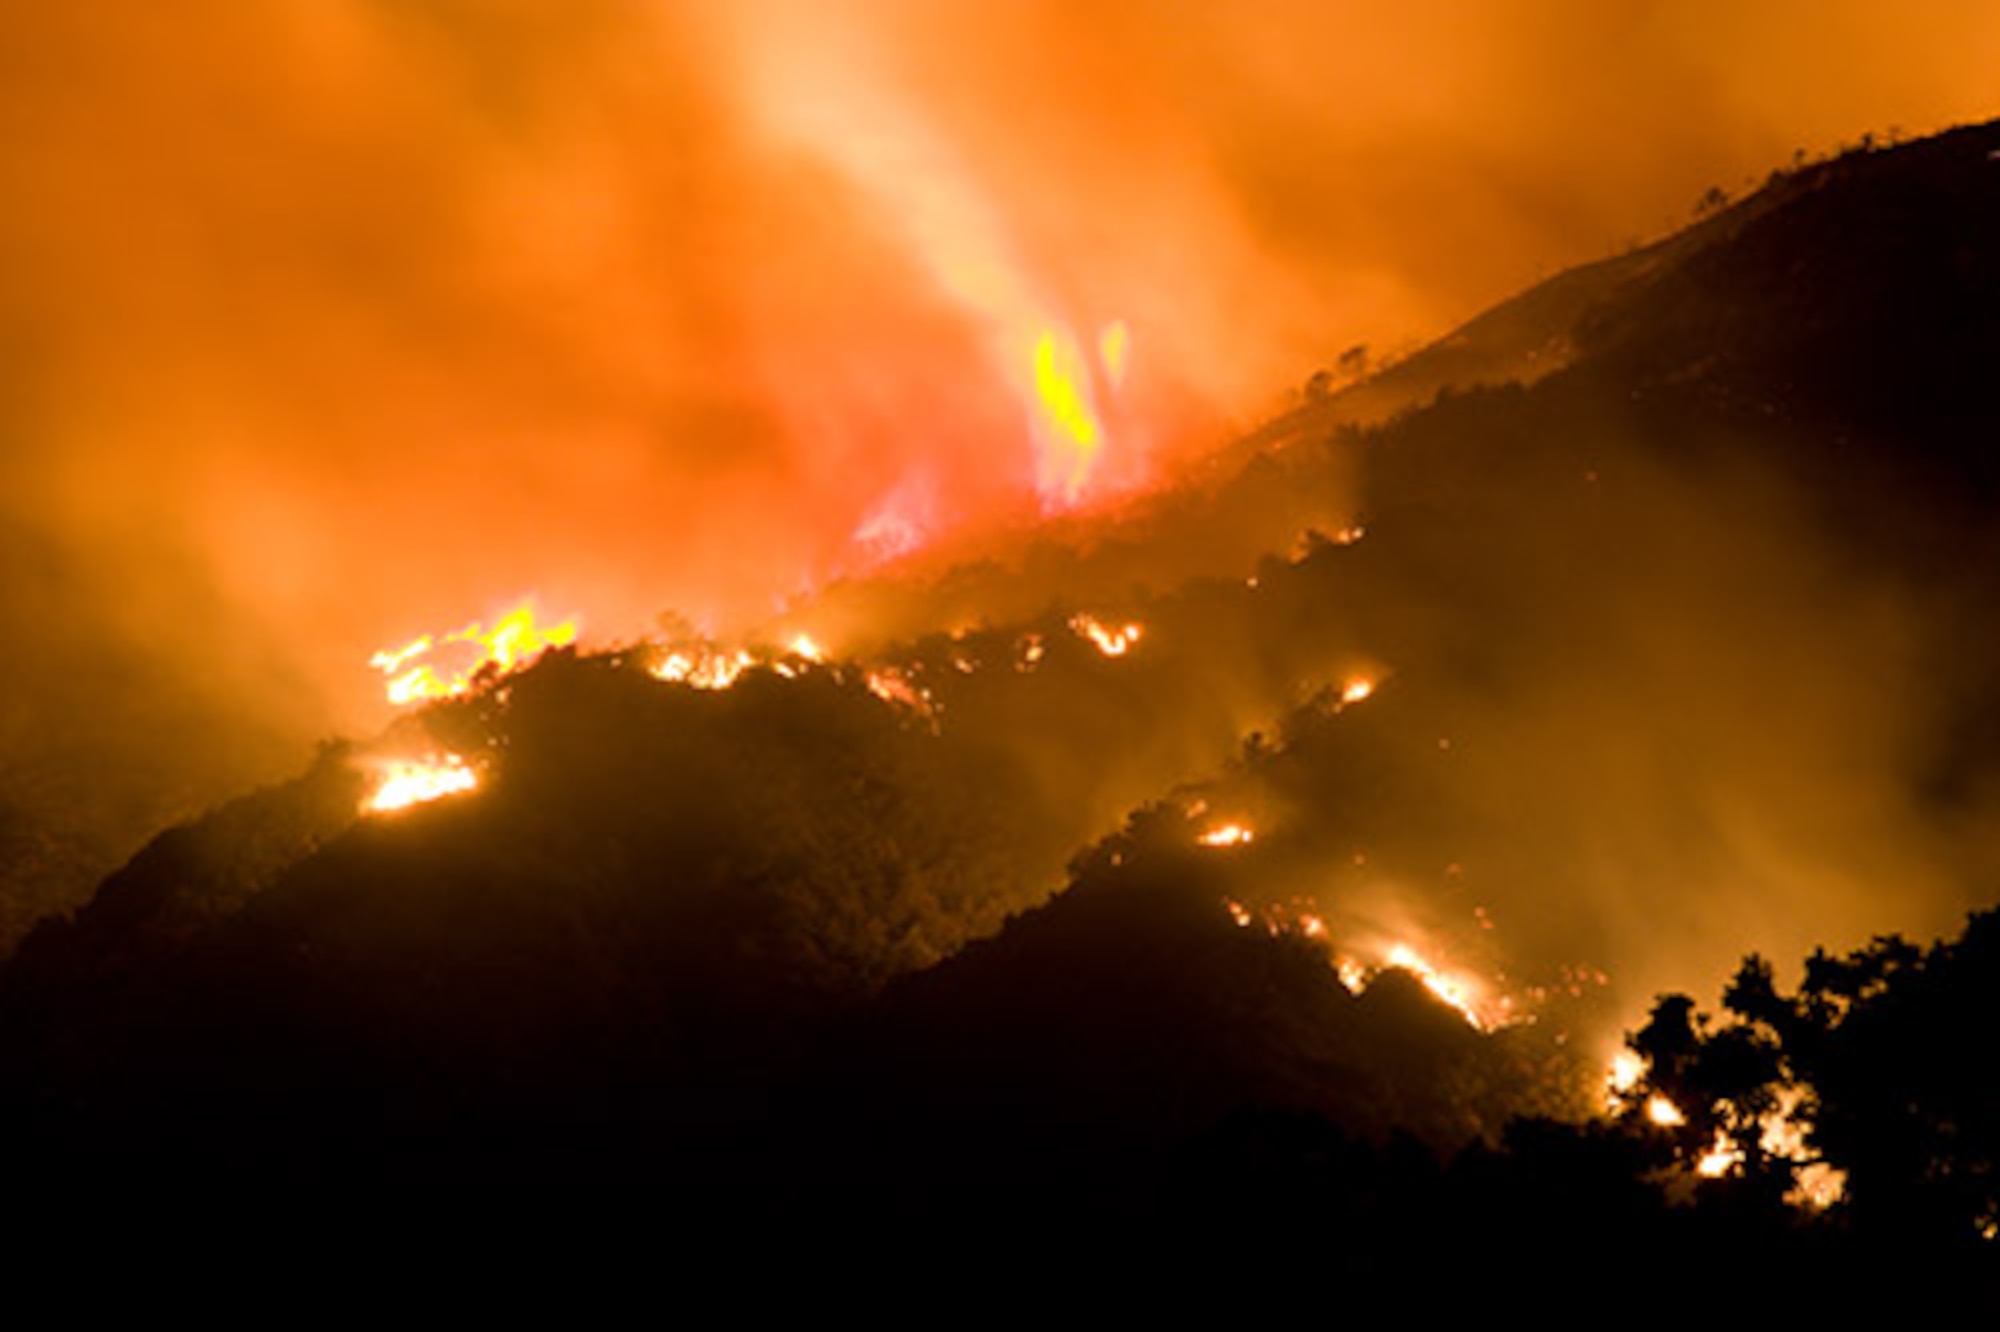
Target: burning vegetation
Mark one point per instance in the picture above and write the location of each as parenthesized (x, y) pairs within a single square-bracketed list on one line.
[(402, 782), (431, 667), (1309, 886)]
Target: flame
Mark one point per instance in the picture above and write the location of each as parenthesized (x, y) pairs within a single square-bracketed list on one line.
[(1111, 642), (512, 643), (1815, 1184), (892, 686), (1234, 834), (1721, 1157), (703, 667), (1663, 1112), (1069, 431), (1457, 991), (1622, 1078), (415, 781), (1462, 993), (828, 99), (1355, 690)]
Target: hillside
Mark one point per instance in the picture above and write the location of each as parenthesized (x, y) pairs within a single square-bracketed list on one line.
[(1465, 711)]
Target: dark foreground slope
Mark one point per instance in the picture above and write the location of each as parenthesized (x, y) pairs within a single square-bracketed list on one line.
[(1680, 651)]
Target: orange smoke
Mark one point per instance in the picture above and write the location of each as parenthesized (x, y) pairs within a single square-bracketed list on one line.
[(343, 317)]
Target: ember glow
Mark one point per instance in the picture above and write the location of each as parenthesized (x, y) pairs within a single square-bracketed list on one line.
[(430, 668), (1111, 641), (402, 782), (894, 685), (1663, 1113), (1719, 1158), (703, 667), (1482, 1006), (1458, 991), (1623, 1076)]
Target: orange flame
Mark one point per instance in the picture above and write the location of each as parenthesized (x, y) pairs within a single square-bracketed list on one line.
[(1229, 834), (703, 668), (1459, 992), (415, 781), (1111, 642), (513, 642), (894, 687)]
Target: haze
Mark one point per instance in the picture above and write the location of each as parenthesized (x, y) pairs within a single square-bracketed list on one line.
[(324, 324)]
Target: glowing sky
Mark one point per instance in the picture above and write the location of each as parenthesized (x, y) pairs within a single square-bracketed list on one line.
[(349, 320)]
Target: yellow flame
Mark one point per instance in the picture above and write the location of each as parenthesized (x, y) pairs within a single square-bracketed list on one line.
[(1071, 435), (414, 781), (512, 643), (1232, 834), (1356, 689), (1111, 642)]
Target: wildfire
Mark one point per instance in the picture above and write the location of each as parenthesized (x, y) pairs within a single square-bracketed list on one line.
[(1779, 1136), (430, 667), (703, 668), (1228, 834), (1355, 690), (1463, 994), (1456, 990), (894, 687), (1663, 1112), (414, 781), (1068, 425), (1622, 1078), (1112, 642), (1722, 1155)]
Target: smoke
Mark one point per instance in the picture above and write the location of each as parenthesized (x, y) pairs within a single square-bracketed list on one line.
[(322, 325)]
